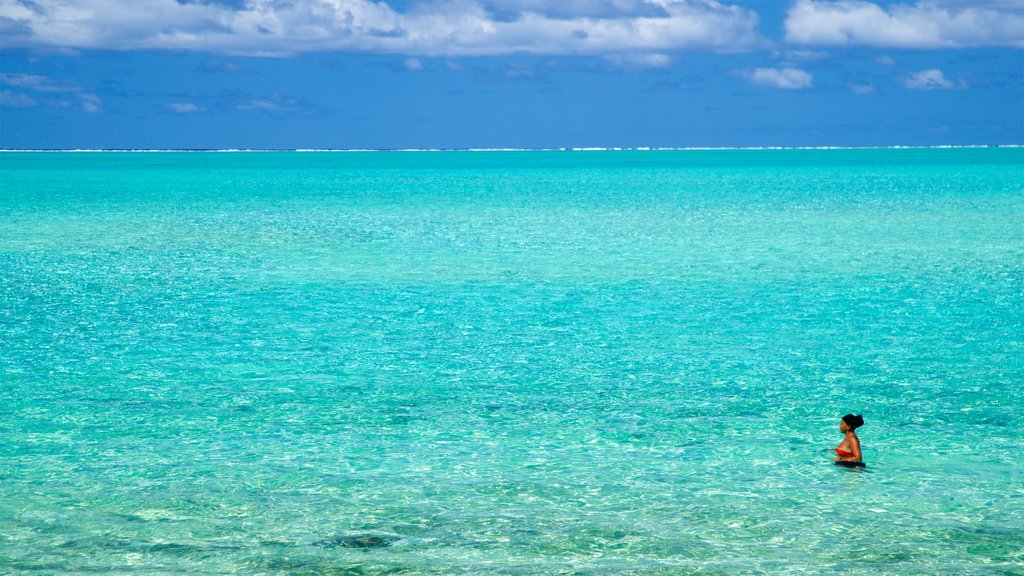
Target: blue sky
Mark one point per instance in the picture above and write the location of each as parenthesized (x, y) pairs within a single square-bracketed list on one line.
[(509, 73)]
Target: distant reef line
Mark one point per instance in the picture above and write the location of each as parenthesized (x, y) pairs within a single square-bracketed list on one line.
[(565, 149)]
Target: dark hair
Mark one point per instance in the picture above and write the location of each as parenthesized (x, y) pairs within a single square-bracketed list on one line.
[(853, 422)]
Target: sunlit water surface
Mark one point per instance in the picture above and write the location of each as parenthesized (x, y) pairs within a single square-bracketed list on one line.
[(511, 362)]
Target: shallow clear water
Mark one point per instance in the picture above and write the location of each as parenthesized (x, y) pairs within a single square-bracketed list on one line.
[(511, 362)]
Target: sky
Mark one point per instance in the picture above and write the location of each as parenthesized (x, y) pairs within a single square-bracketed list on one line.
[(369, 74)]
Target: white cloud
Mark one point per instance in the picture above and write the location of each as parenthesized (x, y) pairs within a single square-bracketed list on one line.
[(275, 103), (16, 100), (802, 55), (785, 78), (885, 61), (862, 89), (265, 105), (412, 64), (52, 92), (36, 82), (90, 103), (567, 9), (183, 108), (637, 61), (931, 80), (450, 27), (924, 24)]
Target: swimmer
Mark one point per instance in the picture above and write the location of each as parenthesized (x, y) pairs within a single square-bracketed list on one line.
[(849, 449)]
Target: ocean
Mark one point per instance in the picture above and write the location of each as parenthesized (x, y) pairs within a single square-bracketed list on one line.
[(511, 362)]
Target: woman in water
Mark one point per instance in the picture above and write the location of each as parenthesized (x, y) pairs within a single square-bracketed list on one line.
[(849, 449)]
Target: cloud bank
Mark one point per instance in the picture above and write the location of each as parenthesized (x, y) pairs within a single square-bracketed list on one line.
[(926, 24), (447, 27)]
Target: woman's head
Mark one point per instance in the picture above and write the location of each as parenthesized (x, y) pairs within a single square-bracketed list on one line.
[(853, 422)]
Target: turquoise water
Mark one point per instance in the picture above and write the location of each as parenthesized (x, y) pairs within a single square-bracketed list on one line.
[(618, 362)]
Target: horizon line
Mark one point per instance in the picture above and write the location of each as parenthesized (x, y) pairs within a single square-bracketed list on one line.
[(552, 149)]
